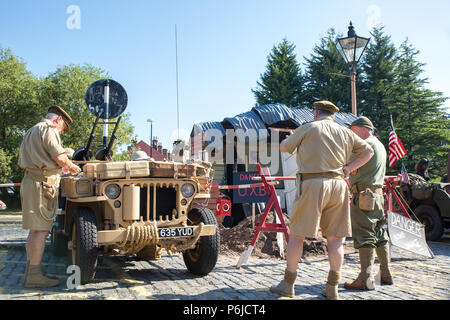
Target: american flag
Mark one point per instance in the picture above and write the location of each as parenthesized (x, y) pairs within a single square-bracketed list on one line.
[(405, 177), (396, 149)]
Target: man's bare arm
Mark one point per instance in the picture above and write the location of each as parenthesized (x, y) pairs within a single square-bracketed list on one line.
[(282, 147), (358, 162), (63, 161)]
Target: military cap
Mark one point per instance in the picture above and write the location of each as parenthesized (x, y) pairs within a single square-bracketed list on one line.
[(326, 105), (362, 122), (60, 112)]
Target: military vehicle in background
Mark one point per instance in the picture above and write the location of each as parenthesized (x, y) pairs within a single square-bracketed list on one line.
[(430, 203), (139, 207)]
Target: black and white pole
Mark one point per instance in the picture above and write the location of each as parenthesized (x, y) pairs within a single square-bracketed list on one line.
[(106, 105)]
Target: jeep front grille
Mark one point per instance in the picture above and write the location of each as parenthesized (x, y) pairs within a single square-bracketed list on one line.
[(158, 202)]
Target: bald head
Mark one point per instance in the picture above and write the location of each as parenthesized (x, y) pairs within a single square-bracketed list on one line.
[(51, 116), (57, 121)]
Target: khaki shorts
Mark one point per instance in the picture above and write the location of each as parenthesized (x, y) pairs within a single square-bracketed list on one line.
[(325, 203), (37, 212)]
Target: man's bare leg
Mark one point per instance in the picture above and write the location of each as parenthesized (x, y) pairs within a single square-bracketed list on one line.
[(335, 253), (35, 249), (35, 246), (294, 252), (336, 259)]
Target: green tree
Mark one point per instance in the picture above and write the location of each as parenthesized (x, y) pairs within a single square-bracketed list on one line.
[(378, 74), (19, 106), (5, 167), (24, 100), (327, 75), (282, 81), (126, 154), (67, 87), (419, 116)]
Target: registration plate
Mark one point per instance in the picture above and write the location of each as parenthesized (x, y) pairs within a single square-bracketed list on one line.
[(176, 232)]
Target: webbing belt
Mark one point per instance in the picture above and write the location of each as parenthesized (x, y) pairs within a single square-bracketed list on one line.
[(357, 188), (41, 178), (329, 175)]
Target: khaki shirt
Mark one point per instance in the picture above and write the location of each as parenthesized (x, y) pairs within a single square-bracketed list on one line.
[(372, 173), (324, 146), (40, 145)]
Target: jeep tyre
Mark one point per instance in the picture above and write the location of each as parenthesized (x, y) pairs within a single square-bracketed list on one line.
[(84, 242), (203, 258), (430, 217)]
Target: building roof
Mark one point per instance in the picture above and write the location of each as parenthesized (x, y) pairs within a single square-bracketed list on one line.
[(302, 115), (203, 127), (245, 121), (271, 115), (276, 115), (344, 119), (146, 148)]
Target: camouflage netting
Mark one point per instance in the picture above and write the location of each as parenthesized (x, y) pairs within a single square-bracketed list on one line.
[(233, 241), (419, 188)]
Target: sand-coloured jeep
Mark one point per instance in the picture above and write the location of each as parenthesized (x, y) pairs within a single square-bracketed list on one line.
[(137, 207), (133, 207)]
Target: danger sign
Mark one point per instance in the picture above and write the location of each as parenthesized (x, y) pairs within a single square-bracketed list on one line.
[(407, 234), (248, 195)]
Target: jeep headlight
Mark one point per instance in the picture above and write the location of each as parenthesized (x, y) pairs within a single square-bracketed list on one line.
[(187, 190), (112, 191)]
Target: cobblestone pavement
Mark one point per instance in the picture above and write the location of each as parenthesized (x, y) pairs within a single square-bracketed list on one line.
[(122, 277)]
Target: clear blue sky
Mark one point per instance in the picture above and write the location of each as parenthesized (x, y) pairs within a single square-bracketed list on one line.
[(222, 46)]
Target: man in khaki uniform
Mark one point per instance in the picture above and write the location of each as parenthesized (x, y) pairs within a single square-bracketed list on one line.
[(43, 158), (367, 211), (323, 159)]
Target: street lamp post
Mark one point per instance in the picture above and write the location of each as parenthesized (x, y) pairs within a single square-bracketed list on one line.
[(351, 49), (151, 137)]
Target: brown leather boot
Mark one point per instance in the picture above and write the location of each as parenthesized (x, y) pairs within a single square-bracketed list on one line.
[(35, 279), (286, 286), (331, 287), (384, 258), (365, 279)]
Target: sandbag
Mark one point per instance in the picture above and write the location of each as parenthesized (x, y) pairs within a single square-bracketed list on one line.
[(165, 169)]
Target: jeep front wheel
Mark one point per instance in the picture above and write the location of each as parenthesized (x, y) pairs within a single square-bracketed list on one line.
[(430, 217), (203, 257), (84, 243)]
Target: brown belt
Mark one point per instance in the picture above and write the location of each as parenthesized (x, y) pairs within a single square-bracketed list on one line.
[(328, 175), (357, 188), (51, 180)]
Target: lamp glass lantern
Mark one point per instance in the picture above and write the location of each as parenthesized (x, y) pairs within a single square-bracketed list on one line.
[(352, 47)]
